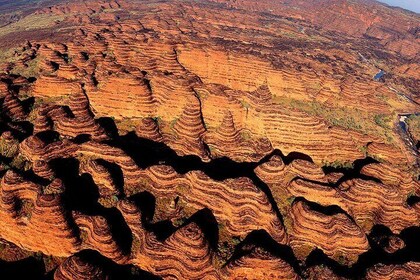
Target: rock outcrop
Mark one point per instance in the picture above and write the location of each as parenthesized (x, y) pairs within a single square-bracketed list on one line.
[(209, 139)]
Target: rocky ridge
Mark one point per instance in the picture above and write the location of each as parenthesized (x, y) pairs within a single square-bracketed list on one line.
[(176, 138)]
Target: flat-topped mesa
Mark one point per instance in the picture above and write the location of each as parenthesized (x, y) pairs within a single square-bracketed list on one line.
[(75, 267), (184, 255), (249, 207), (170, 76), (368, 202), (233, 143), (95, 234), (53, 86), (336, 235), (258, 265), (389, 153), (302, 128), (188, 131), (374, 203), (296, 131), (409, 270), (149, 129), (33, 220), (392, 176), (122, 95)]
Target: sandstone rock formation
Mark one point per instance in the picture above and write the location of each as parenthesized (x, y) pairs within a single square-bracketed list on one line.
[(209, 140)]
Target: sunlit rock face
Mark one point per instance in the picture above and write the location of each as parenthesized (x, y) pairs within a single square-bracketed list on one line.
[(209, 140)]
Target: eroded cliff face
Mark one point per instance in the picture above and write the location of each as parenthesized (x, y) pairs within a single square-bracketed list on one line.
[(203, 140)]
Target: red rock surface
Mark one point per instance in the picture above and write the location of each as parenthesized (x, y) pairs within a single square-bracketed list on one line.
[(209, 140)]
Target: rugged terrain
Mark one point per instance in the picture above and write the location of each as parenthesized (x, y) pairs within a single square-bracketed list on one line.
[(209, 140)]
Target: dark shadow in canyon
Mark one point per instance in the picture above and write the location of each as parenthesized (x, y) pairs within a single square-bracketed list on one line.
[(329, 210), (376, 255), (19, 129), (109, 125), (261, 239), (81, 194), (208, 225), (116, 174), (354, 172), (147, 153), (28, 268), (146, 202), (163, 229)]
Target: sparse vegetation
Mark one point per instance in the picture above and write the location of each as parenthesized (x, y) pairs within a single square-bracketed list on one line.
[(29, 69), (9, 148), (135, 245), (31, 22), (157, 119), (346, 117), (244, 193), (225, 249), (303, 251), (83, 236), (20, 162), (383, 120), (245, 104), (39, 255), (246, 135), (364, 150), (2, 247), (172, 123), (338, 164), (26, 208), (413, 123), (179, 221), (108, 201), (126, 125), (290, 199)]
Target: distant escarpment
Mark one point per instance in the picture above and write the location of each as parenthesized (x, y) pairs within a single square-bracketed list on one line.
[(210, 140)]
